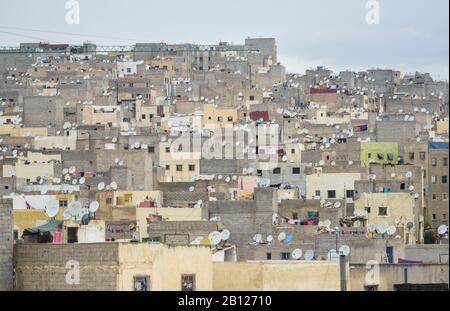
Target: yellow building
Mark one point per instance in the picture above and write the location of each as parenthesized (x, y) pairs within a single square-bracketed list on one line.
[(379, 153), (179, 166), (331, 185), (101, 115), (390, 209), (216, 117)]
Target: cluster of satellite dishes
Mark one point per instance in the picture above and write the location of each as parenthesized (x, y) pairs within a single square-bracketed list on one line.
[(214, 238), (103, 186), (74, 211)]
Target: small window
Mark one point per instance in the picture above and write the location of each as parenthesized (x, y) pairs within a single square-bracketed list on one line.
[(16, 234), (219, 119), (434, 216), (402, 186), (292, 151), (191, 168), (369, 156), (390, 156), (295, 216), (445, 196), (259, 172), (252, 97), (317, 193), (141, 283), (167, 167), (434, 179), (62, 203), (188, 283), (350, 193), (331, 194), (434, 196), (444, 161), (168, 149), (143, 117), (382, 211), (434, 162), (277, 171), (285, 256), (444, 179), (179, 168), (367, 209), (411, 155), (296, 170), (380, 156), (422, 156), (151, 149), (269, 256), (230, 119)]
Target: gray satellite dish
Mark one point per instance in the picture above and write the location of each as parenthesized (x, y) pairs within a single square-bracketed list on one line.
[(410, 225), (93, 206), (309, 255), (85, 219)]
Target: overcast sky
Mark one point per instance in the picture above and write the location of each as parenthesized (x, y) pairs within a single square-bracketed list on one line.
[(412, 34)]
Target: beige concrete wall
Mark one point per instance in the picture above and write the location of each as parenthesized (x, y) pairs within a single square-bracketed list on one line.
[(165, 266), (277, 276)]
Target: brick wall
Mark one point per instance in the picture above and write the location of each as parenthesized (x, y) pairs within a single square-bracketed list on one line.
[(6, 246), (43, 267)]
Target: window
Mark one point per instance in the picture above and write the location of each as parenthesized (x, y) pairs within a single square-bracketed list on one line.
[(191, 168), (6, 187), (402, 186), (411, 155), (16, 234), (188, 283), (369, 156), (277, 171), (422, 156), (108, 200), (230, 119), (72, 235), (444, 161), (382, 211), (371, 288), (259, 172), (433, 179), (350, 193), (143, 117), (285, 256), (151, 149), (269, 256), (219, 119), (168, 149), (252, 97), (62, 203), (444, 179), (390, 156), (167, 167), (141, 283), (434, 162), (434, 216), (445, 196), (292, 151), (367, 209), (434, 196), (179, 168), (296, 170), (295, 216), (380, 156), (317, 193), (331, 194), (150, 116)]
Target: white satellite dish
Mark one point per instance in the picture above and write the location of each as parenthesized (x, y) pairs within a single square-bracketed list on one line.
[(442, 230), (281, 236), (337, 204), (215, 237), (67, 215), (371, 228), (65, 171), (74, 208), (225, 234), (391, 230), (297, 254), (344, 250), (52, 208), (393, 175), (409, 174), (114, 185), (309, 255), (191, 189), (257, 238), (101, 186), (411, 188), (82, 181), (72, 170), (321, 162), (269, 239), (93, 206), (327, 223), (333, 255), (382, 228)]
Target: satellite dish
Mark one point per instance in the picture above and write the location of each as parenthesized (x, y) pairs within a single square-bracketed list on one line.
[(85, 219), (52, 208), (82, 212), (410, 225), (225, 235), (114, 185), (269, 239), (344, 250), (215, 237), (257, 238), (191, 189), (321, 162), (74, 208), (442, 230), (337, 204), (72, 170), (309, 255), (327, 223), (82, 180), (93, 206), (391, 230), (382, 228), (101, 186), (409, 174), (371, 228), (281, 236), (397, 221), (333, 255), (411, 188), (297, 254), (65, 171), (66, 215)]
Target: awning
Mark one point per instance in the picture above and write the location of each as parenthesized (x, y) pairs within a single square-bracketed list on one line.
[(52, 226)]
